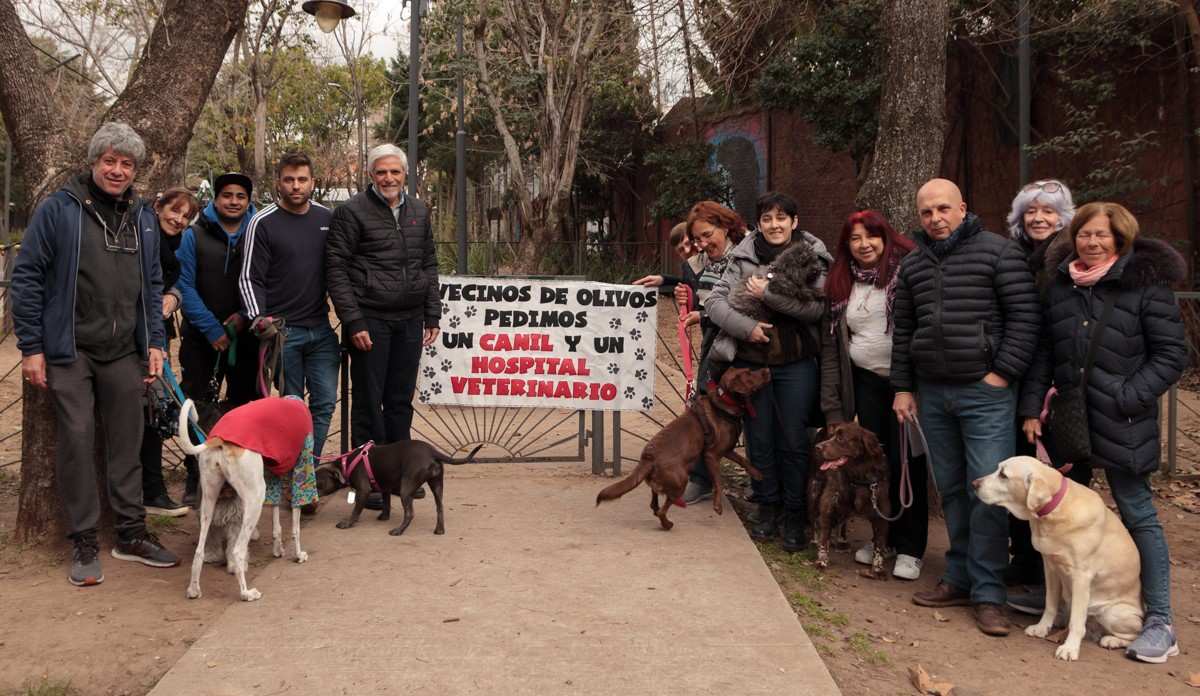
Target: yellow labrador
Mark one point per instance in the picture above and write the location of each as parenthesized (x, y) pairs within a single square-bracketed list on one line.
[(1091, 561)]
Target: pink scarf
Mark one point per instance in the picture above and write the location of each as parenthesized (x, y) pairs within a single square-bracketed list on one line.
[(1087, 277)]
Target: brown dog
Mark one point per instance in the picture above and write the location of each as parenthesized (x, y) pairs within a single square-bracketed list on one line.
[(710, 427), (852, 476)]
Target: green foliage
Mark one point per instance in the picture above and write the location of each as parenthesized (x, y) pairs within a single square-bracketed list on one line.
[(683, 178), (833, 76)]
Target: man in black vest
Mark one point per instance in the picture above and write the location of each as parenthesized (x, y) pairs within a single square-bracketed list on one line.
[(966, 326), (381, 268), (215, 344)]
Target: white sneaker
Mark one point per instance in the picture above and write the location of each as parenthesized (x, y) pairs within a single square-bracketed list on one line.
[(866, 554), (907, 567)]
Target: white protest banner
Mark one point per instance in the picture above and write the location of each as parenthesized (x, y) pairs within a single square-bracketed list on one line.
[(542, 343)]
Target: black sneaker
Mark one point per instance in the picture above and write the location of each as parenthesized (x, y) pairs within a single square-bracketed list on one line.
[(163, 506), (85, 565), (765, 523), (145, 548), (191, 499), (794, 538)]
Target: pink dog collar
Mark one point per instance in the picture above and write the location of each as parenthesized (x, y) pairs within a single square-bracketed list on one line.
[(1058, 498)]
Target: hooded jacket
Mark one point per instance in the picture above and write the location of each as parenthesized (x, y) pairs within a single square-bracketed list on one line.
[(45, 277), (210, 261), (736, 327), (1141, 352), (963, 315)]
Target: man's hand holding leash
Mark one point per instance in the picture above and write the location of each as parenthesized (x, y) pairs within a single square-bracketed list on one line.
[(33, 369)]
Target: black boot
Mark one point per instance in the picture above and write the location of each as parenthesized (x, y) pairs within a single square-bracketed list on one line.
[(793, 531), (765, 523), (191, 488)]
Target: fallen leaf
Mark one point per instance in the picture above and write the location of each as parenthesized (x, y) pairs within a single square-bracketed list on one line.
[(1057, 636), (1194, 619), (887, 640), (940, 616), (453, 620), (1193, 680), (211, 665), (925, 683)]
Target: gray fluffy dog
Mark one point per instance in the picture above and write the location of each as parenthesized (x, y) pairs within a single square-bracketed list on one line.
[(791, 275)]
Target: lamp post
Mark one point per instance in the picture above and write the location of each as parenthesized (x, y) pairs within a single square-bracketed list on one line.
[(414, 93), (328, 13), (460, 165)]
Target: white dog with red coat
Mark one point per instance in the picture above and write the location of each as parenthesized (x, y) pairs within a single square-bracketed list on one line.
[(252, 450)]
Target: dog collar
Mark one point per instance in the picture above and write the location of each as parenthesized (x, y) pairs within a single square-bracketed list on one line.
[(1054, 502), (733, 404)]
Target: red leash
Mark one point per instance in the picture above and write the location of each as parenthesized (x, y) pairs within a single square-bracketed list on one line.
[(685, 343)]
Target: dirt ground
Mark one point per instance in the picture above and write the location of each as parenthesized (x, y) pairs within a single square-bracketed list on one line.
[(121, 637)]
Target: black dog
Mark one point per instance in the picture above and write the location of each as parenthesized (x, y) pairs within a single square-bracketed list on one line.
[(400, 468)]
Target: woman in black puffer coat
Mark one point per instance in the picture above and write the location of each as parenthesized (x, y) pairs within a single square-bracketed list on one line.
[(1141, 352)]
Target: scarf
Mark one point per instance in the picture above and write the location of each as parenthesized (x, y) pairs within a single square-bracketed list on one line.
[(941, 248), (767, 252), (1087, 277), (869, 276)]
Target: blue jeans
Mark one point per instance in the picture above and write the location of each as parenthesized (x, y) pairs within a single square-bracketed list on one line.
[(777, 438), (310, 358), (969, 430), (1135, 502)]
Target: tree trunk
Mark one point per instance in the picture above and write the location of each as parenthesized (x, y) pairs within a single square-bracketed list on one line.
[(162, 100), (260, 136), (912, 118)]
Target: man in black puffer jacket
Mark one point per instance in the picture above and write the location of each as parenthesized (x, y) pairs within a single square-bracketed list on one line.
[(966, 327), (381, 270)]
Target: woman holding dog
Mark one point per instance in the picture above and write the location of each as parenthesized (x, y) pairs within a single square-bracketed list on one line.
[(856, 364), (789, 343), (1112, 286), (714, 231)]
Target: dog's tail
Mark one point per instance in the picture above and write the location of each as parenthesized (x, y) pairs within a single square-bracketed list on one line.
[(628, 483), (447, 459), (185, 442)]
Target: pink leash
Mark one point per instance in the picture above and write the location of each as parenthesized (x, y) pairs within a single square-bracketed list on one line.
[(348, 465), (685, 343)]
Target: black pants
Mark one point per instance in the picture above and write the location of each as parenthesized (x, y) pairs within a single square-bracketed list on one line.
[(113, 389), (1026, 562), (873, 397), (198, 360), (384, 381), (153, 484)]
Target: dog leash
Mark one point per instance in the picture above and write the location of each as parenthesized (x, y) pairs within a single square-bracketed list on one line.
[(172, 388), (906, 489), (271, 337), (685, 342)]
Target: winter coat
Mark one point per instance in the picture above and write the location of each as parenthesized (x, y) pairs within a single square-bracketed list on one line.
[(210, 262), (378, 267), (44, 277), (1141, 351), (960, 317), (804, 312)]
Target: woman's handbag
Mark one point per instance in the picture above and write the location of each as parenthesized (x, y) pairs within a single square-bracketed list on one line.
[(1068, 417)]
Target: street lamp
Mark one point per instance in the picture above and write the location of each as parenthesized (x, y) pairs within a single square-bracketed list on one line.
[(328, 12)]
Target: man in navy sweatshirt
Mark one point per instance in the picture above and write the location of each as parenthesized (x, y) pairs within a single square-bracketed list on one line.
[(215, 343), (283, 276)]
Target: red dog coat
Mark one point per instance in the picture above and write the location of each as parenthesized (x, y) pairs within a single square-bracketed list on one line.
[(274, 427)]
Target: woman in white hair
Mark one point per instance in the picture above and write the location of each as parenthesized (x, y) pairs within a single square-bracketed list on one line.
[(1040, 211)]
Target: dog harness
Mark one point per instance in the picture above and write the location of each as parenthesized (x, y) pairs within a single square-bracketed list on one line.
[(1052, 505), (360, 456)]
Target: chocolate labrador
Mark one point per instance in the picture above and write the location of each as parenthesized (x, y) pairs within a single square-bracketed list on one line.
[(710, 427), (852, 476), (399, 468)]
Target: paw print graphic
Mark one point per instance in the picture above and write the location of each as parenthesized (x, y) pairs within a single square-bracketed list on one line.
[(613, 369), (635, 334), (647, 403), (429, 373), (446, 365), (629, 392), (640, 354), (641, 317), (614, 323), (431, 351), (455, 322), (640, 375), (424, 396), (445, 309), (471, 311), (436, 388)]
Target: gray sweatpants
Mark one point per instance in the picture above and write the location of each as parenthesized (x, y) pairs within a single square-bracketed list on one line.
[(116, 389)]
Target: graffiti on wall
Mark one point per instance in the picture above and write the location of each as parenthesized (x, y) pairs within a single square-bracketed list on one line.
[(740, 149)]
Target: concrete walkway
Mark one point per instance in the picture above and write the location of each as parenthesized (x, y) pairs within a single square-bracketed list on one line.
[(532, 590)]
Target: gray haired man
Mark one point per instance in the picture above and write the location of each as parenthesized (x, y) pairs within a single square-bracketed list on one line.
[(86, 294), (381, 270)]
